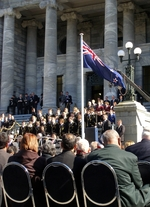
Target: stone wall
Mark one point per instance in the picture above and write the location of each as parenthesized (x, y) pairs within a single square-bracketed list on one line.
[(20, 58)]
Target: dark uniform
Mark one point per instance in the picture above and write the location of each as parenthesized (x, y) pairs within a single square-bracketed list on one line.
[(31, 103), (72, 128), (12, 105), (68, 101), (26, 104), (62, 130), (20, 104)]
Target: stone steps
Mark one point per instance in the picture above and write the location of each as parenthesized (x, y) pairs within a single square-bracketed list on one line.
[(22, 117), (147, 106)]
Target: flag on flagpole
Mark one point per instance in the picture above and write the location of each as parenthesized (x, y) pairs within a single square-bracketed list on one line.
[(91, 60)]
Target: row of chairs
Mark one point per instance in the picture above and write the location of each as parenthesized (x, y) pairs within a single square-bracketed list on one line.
[(99, 184)]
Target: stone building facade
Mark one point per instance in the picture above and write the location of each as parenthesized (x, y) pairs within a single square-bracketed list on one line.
[(40, 46)]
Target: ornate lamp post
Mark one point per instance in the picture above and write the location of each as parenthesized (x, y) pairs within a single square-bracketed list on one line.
[(130, 95)]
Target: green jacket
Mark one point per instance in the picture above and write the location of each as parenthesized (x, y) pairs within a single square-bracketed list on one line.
[(132, 191)]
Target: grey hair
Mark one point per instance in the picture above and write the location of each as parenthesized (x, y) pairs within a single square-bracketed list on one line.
[(49, 148), (146, 132), (83, 145), (109, 135)]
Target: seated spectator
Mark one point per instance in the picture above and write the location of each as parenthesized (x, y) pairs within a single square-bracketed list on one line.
[(82, 148), (95, 145), (142, 149), (131, 188), (18, 140), (28, 156), (12, 150), (128, 143), (69, 158), (48, 150), (3, 157)]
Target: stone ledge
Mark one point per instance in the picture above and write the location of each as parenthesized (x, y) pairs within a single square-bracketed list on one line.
[(21, 3)]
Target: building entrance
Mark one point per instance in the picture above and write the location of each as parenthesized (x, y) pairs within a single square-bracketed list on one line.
[(94, 86)]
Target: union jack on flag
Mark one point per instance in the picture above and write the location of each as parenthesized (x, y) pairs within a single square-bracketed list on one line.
[(91, 60)]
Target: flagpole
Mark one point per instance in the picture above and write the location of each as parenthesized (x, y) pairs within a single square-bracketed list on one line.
[(82, 87)]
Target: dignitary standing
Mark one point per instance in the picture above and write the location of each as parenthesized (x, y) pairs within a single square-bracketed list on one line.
[(20, 104), (120, 129), (62, 99), (68, 101)]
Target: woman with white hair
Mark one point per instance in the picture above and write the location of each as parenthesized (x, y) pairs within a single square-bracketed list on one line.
[(82, 148)]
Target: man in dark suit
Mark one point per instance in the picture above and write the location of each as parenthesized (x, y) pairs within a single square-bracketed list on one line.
[(35, 101), (20, 103), (106, 123), (131, 188), (69, 158), (120, 129), (68, 101), (4, 140), (142, 149)]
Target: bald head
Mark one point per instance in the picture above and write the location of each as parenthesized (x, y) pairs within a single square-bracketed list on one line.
[(111, 137), (146, 133)]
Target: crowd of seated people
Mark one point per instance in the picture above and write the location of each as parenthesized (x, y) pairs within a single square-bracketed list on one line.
[(75, 152)]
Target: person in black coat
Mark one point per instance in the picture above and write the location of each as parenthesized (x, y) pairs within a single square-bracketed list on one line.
[(48, 150), (28, 156), (20, 104), (106, 123), (26, 103), (69, 158), (120, 129), (12, 105), (35, 101), (68, 101), (142, 149)]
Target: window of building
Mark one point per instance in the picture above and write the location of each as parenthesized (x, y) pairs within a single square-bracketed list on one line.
[(62, 46)]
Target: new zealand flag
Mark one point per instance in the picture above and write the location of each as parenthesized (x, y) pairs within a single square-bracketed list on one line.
[(91, 60)]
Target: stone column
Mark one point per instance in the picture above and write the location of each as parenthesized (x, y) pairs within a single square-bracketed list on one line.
[(128, 23), (140, 38), (50, 56), (111, 42), (71, 55), (31, 55), (7, 73)]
